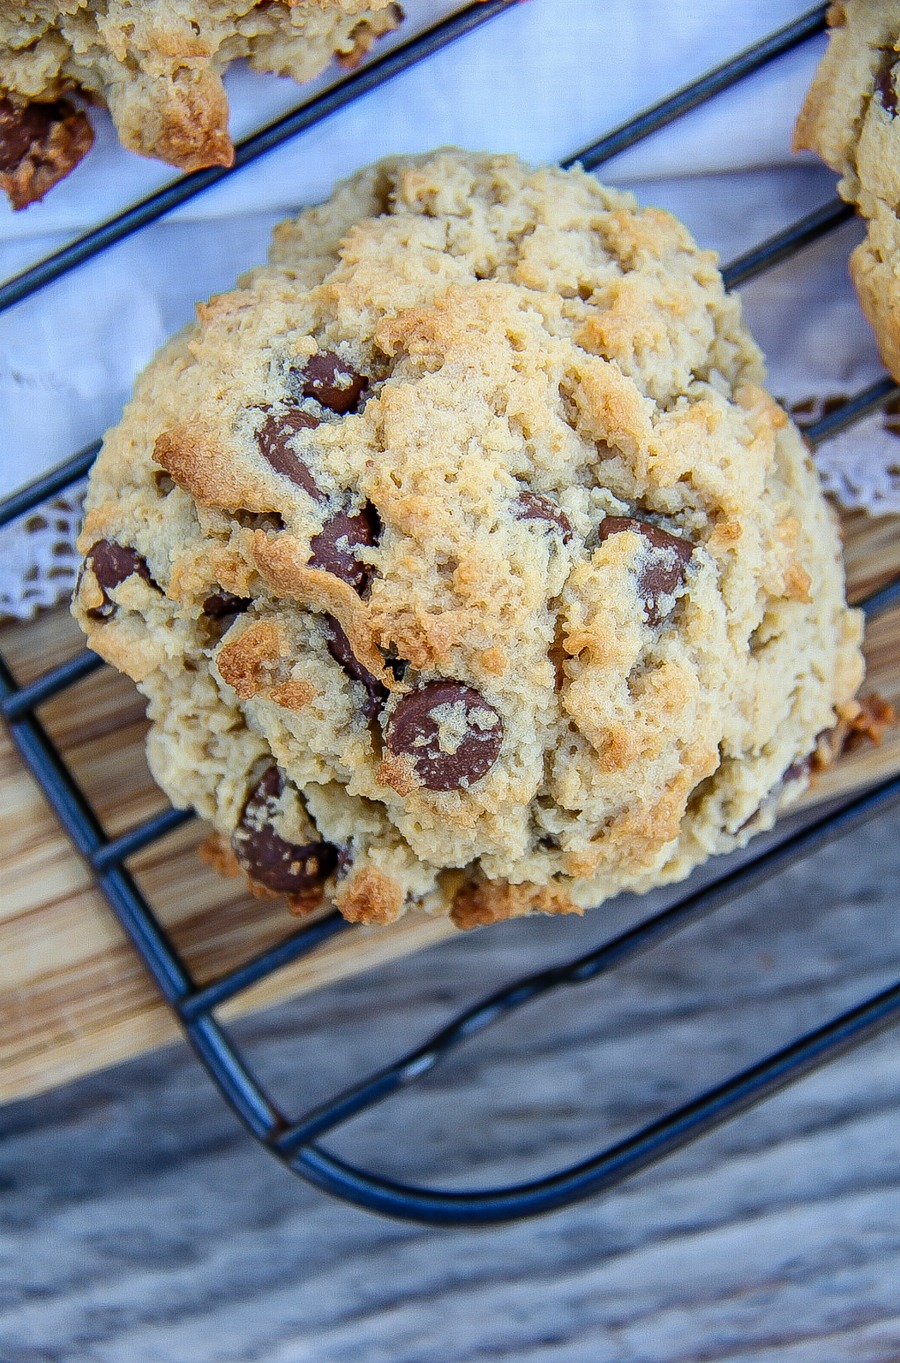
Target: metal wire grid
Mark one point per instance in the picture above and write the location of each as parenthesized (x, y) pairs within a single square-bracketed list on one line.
[(295, 1141)]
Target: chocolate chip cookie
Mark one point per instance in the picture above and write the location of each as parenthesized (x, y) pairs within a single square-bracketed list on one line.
[(850, 118), (157, 66), (463, 560)]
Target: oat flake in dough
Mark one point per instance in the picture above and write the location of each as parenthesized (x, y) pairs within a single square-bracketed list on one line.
[(464, 562)]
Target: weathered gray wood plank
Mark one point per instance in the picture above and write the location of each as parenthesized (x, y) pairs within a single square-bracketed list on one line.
[(139, 1225)]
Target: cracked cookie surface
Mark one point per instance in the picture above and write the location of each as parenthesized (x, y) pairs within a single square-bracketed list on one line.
[(157, 65), (462, 558), (851, 118)]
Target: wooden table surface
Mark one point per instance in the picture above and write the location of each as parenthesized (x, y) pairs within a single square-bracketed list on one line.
[(140, 1224)]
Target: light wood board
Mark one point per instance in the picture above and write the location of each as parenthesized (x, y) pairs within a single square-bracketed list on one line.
[(73, 994)]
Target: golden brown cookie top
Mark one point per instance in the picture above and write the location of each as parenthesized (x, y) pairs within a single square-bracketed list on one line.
[(467, 515)]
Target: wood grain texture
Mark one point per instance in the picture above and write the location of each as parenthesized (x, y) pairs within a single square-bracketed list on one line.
[(139, 1224), (73, 996)]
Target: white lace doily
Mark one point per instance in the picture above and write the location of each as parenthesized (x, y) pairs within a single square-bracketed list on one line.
[(38, 557), (861, 467)]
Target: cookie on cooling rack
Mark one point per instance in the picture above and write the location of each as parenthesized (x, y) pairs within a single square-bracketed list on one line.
[(158, 67), (462, 558), (851, 118)]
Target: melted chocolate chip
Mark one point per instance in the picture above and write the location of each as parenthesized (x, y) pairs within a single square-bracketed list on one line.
[(533, 506), (222, 604), (809, 411), (449, 732), (111, 564), (23, 127), (273, 440), (803, 407), (664, 563), (331, 381), (340, 650), (799, 771), (398, 666), (40, 142), (333, 547), (285, 867), (884, 84)]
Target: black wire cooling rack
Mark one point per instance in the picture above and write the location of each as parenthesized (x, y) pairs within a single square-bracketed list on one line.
[(295, 1141)]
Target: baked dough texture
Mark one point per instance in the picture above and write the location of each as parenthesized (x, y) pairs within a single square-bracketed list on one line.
[(157, 64), (464, 562), (851, 118)]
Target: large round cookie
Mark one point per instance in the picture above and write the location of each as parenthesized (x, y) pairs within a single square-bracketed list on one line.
[(462, 558), (851, 117), (157, 64)]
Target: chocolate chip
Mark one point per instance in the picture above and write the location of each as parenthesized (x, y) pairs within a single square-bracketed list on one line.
[(333, 547), (450, 733), (803, 407), (111, 564), (222, 604), (398, 666), (340, 650), (533, 506), (273, 440), (21, 125), (808, 411), (285, 867), (834, 403), (799, 771), (331, 381), (884, 83), (664, 563), (40, 142)]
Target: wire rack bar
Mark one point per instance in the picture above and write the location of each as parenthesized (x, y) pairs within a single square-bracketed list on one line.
[(601, 961), (159, 826), (49, 486), (21, 700), (169, 970), (611, 1167), (700, 91), (880, 602), (786, 243), (300, 943), (866, 402), (305, 116), (45, 763), (78, 819), (241, 1091)]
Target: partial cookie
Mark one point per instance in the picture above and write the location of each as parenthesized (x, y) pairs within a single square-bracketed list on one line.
[(157, 65), (462, 558), (850, 118)]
